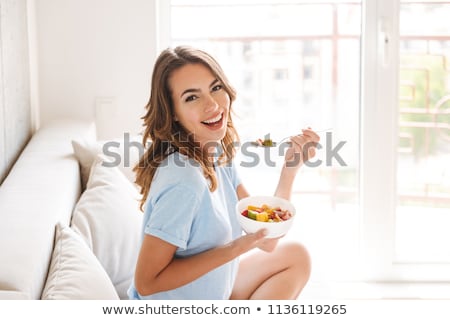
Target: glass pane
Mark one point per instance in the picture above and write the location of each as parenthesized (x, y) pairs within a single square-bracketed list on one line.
[(293, 64), (268, 20), (423, 212)]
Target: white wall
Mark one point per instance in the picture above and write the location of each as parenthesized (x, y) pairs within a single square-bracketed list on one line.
[(94, 49), (15, 118)]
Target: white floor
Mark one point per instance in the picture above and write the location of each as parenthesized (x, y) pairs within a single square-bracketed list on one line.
[(360, 290)]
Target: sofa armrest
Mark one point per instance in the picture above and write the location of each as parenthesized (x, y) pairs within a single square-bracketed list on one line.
[(41, 189)]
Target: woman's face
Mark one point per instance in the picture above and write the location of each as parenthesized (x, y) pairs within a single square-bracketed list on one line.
[(201, 103)]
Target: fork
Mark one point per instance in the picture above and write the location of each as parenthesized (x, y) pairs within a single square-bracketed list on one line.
[(271, 144)]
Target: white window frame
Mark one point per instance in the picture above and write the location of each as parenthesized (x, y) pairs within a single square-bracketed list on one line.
[(378, 130), (379, 150)]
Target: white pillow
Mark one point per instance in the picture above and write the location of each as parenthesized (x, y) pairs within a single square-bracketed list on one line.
[(123, 154), (108, 218), (75, 273), (85, 154)]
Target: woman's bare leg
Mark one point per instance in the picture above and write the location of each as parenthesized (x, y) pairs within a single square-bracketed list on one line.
[(280, 274)]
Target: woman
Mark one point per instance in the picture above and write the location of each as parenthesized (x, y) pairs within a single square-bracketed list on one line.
[(192, 241)]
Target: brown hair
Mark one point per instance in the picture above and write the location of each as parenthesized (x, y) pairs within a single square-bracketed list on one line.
[(167, 135)]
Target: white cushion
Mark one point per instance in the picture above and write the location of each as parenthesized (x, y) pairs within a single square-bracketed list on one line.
[(75, 273), (108, 217), (85, 154), (123, 154)]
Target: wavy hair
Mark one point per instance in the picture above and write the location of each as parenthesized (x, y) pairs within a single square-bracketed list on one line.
[(167, 135)]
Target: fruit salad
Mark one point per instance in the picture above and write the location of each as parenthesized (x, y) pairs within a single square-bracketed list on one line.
[(266, 213)]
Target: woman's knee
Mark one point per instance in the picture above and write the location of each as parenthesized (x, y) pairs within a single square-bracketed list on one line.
[(298, 257)]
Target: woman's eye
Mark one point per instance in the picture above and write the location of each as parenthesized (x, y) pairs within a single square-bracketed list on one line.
[(217, 87), (190, 98)]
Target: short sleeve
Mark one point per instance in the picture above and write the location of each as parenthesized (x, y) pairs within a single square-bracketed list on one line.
[(172, 214)]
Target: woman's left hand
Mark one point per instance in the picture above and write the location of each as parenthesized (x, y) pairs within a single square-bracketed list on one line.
[(303, 148), (268, 244)]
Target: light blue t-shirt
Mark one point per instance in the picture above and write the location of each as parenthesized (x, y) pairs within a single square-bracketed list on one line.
[(181, 210)]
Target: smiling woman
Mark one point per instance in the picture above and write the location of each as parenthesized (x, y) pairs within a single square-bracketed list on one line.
[(192, 243)]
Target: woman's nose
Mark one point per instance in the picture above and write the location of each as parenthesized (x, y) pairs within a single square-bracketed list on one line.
[(210, 104)]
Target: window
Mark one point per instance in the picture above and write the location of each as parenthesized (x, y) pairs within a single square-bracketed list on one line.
[(377, 83)]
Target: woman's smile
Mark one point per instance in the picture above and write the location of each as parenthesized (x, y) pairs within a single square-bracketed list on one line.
[(214, 123)]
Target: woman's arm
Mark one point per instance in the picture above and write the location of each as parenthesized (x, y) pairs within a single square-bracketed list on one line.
[(157, 269), (303, 148), (242, 192)]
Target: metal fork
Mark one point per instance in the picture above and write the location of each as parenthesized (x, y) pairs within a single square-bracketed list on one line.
[(268, 143)]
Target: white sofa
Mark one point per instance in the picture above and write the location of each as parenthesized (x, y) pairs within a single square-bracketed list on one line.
[(70, 226)]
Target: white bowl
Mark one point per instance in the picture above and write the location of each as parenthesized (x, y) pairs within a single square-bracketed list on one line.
[(274, 229)]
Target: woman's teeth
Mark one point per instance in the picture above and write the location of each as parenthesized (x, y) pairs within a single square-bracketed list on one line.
[(213, 120)]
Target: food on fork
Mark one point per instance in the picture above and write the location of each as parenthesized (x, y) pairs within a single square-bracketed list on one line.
[(265, 143)]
